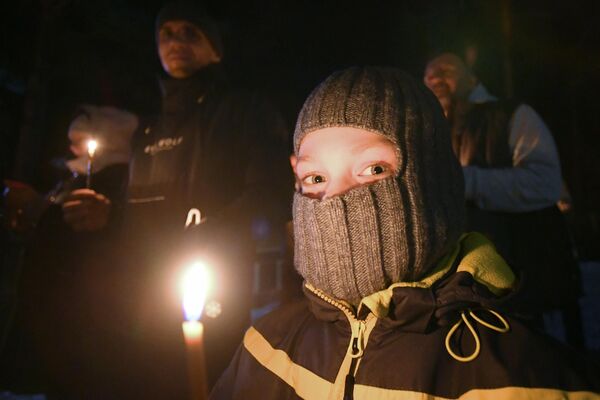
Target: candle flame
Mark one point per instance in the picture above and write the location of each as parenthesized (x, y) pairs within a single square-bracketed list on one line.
[(196, 282), (92, 145)]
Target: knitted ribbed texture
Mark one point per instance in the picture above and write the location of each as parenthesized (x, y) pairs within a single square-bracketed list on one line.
[(393, 230)]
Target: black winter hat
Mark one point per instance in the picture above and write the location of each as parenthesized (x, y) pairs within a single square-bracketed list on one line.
[(195, 14)]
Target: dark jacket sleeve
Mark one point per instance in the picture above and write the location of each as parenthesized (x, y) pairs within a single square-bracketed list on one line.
[(268, 184), (223, 389), (247, 379), (259, 148)]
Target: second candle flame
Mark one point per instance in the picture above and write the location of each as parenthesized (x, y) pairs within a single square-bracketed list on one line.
[(92, 145)]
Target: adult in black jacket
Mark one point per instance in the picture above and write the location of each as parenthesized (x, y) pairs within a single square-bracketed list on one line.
[(206, 171)]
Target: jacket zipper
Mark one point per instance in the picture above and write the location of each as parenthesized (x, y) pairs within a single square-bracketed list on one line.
[(356, 348)]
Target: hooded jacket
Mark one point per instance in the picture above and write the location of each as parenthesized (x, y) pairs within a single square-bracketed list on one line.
[(447, 336)]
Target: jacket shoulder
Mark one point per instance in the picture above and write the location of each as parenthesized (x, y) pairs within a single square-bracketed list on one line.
[(284, 320), (249, 376)]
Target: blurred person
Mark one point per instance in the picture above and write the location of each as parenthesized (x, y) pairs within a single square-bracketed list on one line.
[(53, 344), (400, 302), (513, 181), (204, 173), (113, 128), (11, 92)]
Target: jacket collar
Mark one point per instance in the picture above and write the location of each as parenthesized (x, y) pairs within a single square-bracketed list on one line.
[(181, 94), (473, 274)]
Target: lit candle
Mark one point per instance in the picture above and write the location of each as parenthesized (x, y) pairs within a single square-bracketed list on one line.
[(92, 145), (195, 287)]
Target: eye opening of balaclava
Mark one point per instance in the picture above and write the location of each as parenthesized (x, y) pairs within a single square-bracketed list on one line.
[(392, 230)]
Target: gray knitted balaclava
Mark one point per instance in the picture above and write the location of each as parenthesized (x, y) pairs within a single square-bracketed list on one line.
[(395, 229)]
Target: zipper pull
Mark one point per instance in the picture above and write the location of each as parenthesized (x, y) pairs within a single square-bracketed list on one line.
[(356, 352), (357, 349)]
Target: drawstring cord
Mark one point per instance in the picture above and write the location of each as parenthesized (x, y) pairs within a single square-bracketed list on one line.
[(501, 329)]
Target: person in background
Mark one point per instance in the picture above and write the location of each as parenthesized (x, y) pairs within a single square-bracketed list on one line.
[(56, 344), (205, 172), (512, 184), (400, 302)]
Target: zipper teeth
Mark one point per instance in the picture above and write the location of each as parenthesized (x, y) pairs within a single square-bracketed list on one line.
[(337, 304), (352, 319)]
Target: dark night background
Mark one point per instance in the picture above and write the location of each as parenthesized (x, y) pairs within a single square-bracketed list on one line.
[(64, 52)]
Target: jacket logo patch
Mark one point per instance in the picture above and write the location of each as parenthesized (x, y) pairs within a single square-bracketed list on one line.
[(163, 144)]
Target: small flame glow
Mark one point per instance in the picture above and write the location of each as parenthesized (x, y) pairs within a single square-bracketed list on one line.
[(195, 285), (92, 145)]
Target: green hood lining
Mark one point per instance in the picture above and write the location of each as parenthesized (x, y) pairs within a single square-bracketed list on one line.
[(478, 257)]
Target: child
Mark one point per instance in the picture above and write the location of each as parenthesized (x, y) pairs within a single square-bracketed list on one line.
[(400, 303)]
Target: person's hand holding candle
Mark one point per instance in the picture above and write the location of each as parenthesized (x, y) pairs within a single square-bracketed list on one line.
[(86, 211)]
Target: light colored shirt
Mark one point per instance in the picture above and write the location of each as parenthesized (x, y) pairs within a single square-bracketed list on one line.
[(534, 181)]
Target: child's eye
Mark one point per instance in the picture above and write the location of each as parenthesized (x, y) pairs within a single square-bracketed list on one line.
[(375, 169), (313, 179)]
